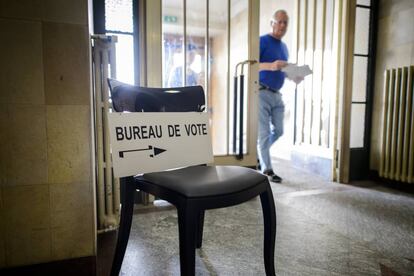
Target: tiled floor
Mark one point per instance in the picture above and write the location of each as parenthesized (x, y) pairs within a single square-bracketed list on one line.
[(323, 228)]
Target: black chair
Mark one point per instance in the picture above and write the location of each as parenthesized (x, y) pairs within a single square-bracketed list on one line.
[(192, 189)]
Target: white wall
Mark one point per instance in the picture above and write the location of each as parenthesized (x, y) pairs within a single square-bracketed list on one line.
[(395, 48)]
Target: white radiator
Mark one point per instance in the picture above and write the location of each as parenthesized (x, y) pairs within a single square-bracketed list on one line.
[(397, 152), (107, 187)]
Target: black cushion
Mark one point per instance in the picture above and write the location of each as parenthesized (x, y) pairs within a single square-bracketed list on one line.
[(200, 181)]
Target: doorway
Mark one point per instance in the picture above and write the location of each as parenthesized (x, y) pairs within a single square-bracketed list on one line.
[(327, 117), (202, 43)]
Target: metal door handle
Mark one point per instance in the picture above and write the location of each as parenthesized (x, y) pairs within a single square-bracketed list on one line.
[(239, 155)]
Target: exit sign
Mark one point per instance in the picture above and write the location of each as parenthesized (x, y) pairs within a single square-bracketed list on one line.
[(170, 19)]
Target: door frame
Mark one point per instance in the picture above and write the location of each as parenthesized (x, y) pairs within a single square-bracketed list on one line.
[(250, 158), (152, 35)]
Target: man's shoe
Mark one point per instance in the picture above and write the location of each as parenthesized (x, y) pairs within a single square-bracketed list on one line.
[(269, 173), (275, 178), (272, 176)]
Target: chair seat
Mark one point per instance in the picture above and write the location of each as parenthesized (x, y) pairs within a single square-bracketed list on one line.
[(202, 181)]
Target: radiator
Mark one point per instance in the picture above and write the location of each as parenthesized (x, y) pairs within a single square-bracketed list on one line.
[(107, 187), (397, 147)]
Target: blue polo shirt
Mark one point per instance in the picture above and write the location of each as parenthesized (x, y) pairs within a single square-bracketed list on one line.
[(272, 49)]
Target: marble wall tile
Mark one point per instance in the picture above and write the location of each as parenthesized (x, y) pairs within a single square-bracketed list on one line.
[(26, 145), (73, 241), (66, 63), (21, 72), (32, 41), (4, 118), (27, 224), (68, 144), (71, 203), (63, 11), (2, 254), (26, 207), (72, 225), (25, 247), (27, 9), (2, 242)]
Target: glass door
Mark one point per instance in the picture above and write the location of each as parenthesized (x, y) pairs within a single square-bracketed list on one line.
[(202, 43)]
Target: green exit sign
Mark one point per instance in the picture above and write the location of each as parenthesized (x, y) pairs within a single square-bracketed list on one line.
[(170, 19)]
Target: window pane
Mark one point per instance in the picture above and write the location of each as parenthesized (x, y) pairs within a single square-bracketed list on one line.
[(172, 32), (357, 125), (361, 31), (239, 42), (364, 2), (196, 35), (217, 94), (359, 80), (118, 15), (124, 58)]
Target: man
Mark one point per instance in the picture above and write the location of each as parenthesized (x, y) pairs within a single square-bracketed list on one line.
[(273, 57), (176, 74)]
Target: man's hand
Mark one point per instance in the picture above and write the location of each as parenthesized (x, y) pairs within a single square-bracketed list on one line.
[(272, 66), (278, 65)]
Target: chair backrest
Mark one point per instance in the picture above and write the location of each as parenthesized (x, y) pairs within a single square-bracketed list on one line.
[(126, 97)]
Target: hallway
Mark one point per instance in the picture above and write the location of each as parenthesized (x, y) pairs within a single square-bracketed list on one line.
[(323, 228)]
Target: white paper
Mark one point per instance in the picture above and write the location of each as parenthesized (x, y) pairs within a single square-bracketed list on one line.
[(294, 71)]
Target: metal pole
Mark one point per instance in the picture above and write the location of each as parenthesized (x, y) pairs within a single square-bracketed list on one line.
[(240, 155), (235, 113)]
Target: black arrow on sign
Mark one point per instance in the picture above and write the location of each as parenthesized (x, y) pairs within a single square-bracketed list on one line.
[(156, 151)]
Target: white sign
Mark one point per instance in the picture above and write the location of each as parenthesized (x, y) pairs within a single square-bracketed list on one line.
[(145, 142)]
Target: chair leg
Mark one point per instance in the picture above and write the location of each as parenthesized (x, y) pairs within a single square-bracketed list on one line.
[(269, 217), (187, 226), (127, 201), (200, 226)]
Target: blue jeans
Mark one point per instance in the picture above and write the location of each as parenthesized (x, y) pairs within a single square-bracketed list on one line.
[(270, 128)]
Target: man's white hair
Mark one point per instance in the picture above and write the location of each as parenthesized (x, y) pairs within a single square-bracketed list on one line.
[(277, 12)]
